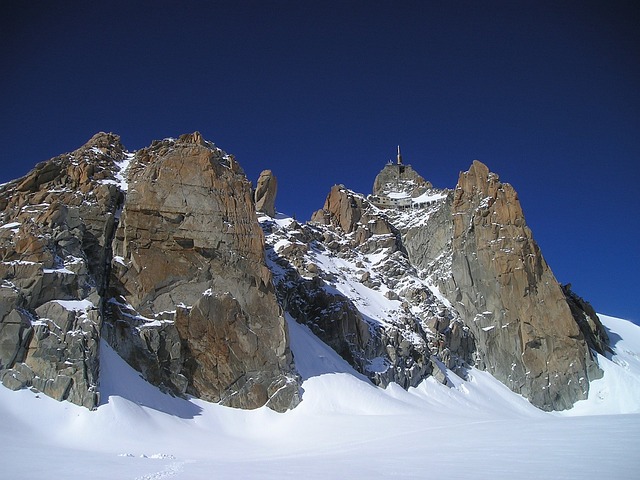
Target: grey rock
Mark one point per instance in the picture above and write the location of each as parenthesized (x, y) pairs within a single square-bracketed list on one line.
[(187, 225), (380, 353), (507, 295), (65, 208), (15, 335), (587, 320)]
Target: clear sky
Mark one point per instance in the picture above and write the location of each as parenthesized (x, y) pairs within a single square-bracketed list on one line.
[(546, 93)]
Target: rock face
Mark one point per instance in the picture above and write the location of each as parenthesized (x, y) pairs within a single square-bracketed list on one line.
[(399, 178), (351, 213), (170, 272), (56, 226), (265, 194), (347, 277), (160, 254), (189, 255), (470, 287), (525, 332), (588, 322)]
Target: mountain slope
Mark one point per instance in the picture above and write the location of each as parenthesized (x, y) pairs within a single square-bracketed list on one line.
[(412, 279)]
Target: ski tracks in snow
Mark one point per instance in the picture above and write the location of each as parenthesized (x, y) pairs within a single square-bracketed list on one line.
[(169, 470)]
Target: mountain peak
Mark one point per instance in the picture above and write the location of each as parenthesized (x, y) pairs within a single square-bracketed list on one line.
[(103, 140), (160, 253), (397, 183)]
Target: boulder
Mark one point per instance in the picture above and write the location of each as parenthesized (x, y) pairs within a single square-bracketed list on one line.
[(15, 335), (228, 353)]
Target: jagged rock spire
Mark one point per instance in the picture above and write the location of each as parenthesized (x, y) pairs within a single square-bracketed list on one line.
[(265, 193)]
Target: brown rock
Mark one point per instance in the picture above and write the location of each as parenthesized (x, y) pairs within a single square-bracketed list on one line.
[(351, 212), (188, 235), (226, 358), (188, 227), (509, 298), (265, 193)]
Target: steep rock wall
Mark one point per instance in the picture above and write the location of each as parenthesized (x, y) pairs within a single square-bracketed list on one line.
[(57, 222), (502, 286), (174, 277), (188, 236)]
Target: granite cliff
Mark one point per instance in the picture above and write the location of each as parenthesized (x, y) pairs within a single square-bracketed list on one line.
[(457, 280), (160, 253)]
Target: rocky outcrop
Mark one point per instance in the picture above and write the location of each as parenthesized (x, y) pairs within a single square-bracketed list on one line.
[(368, 313), (428, 240), (525, 332), (265, 193), (502, 311), (399, 178), (160, 253), (183, 255), (590, 325), (229, 359), (55, 229), (382, 353), (189, 260), (353, 214)]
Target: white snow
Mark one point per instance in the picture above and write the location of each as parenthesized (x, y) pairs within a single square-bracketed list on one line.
[(119, 259), (11, 225), (280, 244), (344, 428), (76, 305), (618, 392), (19, 262), (429, 196), (121, 173), (398, 195), (63, 270), (371, 303)]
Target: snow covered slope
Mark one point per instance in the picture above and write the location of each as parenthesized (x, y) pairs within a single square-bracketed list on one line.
[(344, 428)]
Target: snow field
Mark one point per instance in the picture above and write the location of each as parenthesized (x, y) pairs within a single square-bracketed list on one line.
[(344, 428)]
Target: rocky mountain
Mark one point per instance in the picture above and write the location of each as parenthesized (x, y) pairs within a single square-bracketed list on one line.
[(414, 281), (161, 254)]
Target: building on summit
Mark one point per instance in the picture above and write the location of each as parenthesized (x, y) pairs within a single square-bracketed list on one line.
[(398, 185)]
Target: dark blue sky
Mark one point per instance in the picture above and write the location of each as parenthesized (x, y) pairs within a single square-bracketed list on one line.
[(546, 93)]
